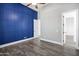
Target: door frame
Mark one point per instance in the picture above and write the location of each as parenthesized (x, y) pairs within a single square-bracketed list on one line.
[(63, 41)]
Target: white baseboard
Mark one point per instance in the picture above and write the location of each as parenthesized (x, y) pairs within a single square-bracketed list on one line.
[(52, 41), (12, 43)]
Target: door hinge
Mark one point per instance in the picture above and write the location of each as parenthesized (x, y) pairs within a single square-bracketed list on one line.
[(63, 40)]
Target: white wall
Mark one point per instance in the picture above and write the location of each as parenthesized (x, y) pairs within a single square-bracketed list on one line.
[(51, 21)]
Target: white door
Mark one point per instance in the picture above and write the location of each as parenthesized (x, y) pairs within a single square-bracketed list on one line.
[(36, 28), (69, 25)]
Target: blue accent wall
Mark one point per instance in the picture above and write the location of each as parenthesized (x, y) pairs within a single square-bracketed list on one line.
[(16, 22)]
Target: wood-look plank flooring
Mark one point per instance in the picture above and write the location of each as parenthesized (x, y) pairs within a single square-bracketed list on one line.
[(36, 47)]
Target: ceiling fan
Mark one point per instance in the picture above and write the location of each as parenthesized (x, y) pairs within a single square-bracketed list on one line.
[(35, 4)]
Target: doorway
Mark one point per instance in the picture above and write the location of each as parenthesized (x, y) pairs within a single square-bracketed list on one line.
[(70, 28)]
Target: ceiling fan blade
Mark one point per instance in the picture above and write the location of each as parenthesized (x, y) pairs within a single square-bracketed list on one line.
[(29, 4)]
